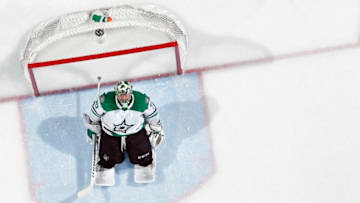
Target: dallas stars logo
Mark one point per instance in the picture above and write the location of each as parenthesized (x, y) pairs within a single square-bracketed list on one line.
[(123, 127)]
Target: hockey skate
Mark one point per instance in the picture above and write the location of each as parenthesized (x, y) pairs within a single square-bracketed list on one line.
[(104, 176)]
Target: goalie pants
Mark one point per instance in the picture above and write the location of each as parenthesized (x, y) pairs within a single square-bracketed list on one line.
[(138, 148)]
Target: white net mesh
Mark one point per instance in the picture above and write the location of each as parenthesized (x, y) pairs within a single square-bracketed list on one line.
[(150, 17)]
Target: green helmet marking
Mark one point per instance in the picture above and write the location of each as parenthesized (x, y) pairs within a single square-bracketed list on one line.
[(123, 87)]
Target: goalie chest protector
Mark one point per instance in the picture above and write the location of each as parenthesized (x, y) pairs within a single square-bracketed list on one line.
[(119, 121)]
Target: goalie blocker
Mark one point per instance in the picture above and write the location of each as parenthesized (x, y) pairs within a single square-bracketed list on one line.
[(128, 121)]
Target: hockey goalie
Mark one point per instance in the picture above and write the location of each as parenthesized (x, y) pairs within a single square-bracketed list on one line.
[(124, 121)]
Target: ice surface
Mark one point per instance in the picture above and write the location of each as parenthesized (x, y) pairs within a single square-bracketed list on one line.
[(60, 157), (294, 137)]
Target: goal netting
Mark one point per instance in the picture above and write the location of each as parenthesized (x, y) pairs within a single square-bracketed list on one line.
[(123, 42)]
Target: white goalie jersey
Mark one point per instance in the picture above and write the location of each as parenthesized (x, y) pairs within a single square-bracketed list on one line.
[(119, 121)]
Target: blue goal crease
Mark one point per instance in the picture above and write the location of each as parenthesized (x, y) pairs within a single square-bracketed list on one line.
[(60, 158)]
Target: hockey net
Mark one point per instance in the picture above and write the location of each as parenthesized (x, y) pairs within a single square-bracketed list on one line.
[(123, 42)]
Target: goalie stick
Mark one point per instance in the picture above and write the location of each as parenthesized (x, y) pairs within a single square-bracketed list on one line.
[(96, 138)]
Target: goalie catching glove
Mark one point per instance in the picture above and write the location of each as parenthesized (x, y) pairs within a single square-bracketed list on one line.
[(156, 137), (92, 128)]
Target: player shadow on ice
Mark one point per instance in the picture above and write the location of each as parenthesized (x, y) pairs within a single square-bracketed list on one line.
[(67, 135)]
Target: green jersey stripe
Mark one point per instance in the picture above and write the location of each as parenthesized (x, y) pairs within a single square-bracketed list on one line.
[(152, 115), (94, 112)]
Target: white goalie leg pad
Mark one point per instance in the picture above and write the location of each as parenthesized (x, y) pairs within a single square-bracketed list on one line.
[(145, 174), (105, 176)]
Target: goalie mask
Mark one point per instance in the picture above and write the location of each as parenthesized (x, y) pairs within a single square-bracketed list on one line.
[(123, 90)]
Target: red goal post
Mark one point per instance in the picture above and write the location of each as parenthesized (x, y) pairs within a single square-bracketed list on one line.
[(124, 17)]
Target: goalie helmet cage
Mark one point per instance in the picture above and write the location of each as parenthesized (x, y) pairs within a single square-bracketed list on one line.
[(149, 17)]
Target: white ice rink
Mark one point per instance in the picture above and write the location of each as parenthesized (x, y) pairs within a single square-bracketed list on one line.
[(281, 82)]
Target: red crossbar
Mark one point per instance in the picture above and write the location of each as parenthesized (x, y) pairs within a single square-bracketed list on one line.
[(102, 55)]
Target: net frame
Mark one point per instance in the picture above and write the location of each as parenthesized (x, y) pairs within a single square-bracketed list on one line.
[(124, 16)]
